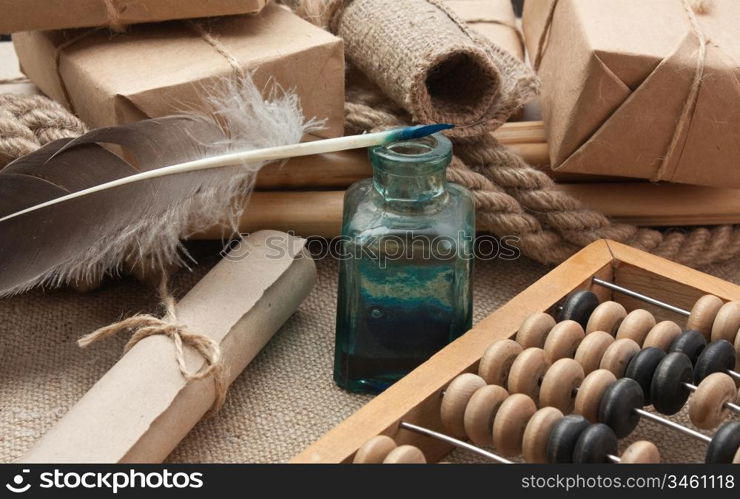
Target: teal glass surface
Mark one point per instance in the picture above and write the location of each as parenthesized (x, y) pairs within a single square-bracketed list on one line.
[(405, 265)]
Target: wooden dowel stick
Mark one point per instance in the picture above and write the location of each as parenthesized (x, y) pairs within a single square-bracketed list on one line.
[(319, 213)]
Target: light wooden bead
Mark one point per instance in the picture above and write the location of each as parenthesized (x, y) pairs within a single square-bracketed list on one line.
[(636, 326), (375, 450), (537, 433), (563, 340), (560, 384), (591, 350), (496, 361), (510, 422), (606, 317), (706, 405), (736, 459), (405, 454), (662, 335), (481, 411), (737, 348), (454, 401), (527, 372), (534, 329), (640, 452), (727, 322), (590, 392), (702, 315), (618, 355)]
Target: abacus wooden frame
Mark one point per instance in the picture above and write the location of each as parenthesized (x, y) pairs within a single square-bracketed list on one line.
[(415, 398)]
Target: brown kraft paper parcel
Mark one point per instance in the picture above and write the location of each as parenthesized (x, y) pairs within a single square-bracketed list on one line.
[(615, 83), (159, 69), (143, 406), (494, 19), (26, 15)]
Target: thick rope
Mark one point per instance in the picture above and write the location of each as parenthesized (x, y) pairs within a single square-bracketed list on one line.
[(27, 122), (145, 325)]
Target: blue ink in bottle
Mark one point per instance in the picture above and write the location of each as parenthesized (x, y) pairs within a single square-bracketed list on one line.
[(405, 265)]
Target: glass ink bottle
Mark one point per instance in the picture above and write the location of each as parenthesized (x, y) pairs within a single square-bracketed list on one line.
[(405, 265)]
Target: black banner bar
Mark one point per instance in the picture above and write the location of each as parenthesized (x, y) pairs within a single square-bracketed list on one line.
[(515, 481)]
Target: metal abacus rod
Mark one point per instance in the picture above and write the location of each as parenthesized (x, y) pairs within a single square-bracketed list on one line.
[(468, 446), (640, 296), (672, 424), (729, 405), (454, 441)]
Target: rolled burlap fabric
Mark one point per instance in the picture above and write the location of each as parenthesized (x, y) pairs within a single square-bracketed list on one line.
[(427, 60)]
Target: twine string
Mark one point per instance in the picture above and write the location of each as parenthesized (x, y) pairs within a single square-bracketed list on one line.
[(680, 133), (113, 13), (544, 36), (500, 22), (236, 68), (145, 325)]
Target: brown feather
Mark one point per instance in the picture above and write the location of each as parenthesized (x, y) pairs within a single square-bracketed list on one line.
[(79, 239)]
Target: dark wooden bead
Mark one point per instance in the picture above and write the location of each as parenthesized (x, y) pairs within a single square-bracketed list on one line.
[(668, 390), (578, 306), (642, 367), (618, 404), (690, 343), (718, 357), (595, 444), (563, 438), (724, 444)]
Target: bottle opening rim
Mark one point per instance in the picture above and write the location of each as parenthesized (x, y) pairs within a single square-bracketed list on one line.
[(423, 154)]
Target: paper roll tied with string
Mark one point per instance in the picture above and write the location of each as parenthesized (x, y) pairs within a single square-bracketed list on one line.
[(146, 403)]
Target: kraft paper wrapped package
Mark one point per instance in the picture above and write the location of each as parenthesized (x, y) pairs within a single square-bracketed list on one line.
[(494, 19), (154, 70), (627, 90), (26, 15)]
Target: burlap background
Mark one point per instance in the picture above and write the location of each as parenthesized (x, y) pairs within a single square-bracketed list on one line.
[(284, 401)]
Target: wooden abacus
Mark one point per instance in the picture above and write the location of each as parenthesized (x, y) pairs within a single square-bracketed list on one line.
[(589, 354)]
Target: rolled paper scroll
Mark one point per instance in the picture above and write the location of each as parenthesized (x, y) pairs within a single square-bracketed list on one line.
[(141, 409)]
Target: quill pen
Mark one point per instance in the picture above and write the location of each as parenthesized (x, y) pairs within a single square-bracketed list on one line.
[(75, 209)]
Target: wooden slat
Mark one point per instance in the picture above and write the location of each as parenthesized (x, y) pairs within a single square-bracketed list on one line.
[(647, 204), (319, 213)]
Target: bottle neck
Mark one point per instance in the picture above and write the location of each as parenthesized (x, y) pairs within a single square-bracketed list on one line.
[(412, 173), (410, 189)]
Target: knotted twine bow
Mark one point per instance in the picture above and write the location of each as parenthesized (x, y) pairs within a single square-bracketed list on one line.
[(145, 325), (680, 133)]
